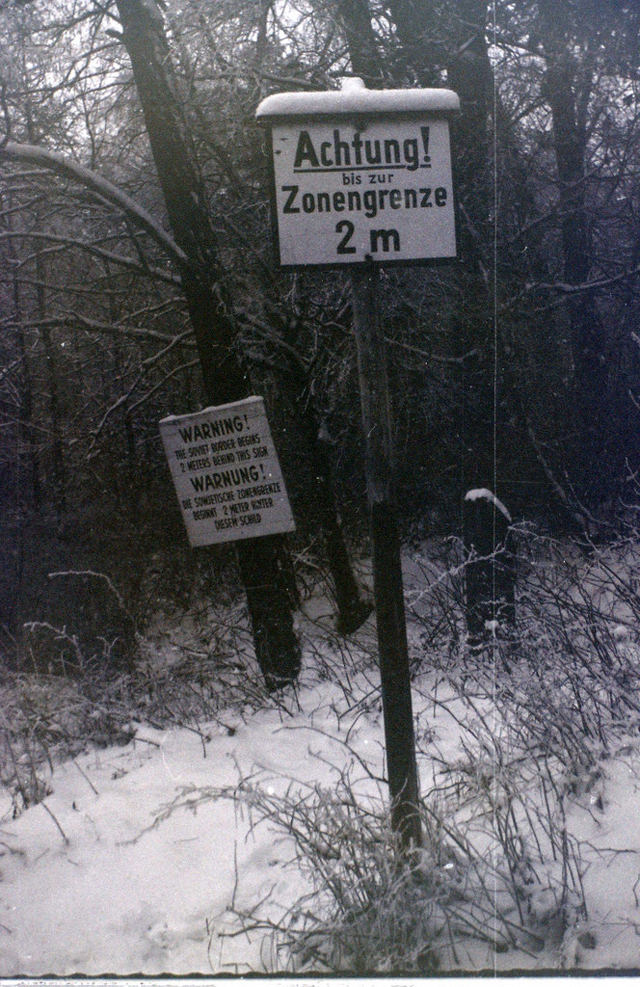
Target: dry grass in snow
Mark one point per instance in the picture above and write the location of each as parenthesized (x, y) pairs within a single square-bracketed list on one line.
[(185, 822)]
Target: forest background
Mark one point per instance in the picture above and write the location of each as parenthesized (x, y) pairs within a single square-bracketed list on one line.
[(137, 281)]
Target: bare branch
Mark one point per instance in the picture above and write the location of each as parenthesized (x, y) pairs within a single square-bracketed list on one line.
[(64, 241), (65, 168), (77, 321)]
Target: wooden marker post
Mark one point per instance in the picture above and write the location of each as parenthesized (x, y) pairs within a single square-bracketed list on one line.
[(360, 178), (387, 571)]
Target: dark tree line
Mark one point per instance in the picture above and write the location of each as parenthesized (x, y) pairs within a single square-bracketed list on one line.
[(136, 277)]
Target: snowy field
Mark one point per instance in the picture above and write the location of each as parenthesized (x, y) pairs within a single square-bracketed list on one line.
[(177, 852)]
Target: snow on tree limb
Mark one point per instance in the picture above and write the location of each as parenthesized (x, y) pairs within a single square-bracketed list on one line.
[(61, 242), (65, 168), (482, 493)]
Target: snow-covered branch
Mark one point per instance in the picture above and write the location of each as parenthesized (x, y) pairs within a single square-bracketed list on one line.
[(65, 168), (62, 242), (75, 320)]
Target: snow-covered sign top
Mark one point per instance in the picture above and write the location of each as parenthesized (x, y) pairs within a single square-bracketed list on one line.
[(361, 176), (354, 97)]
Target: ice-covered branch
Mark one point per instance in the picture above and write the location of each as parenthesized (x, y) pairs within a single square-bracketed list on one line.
[(62, 242), (65, 168)]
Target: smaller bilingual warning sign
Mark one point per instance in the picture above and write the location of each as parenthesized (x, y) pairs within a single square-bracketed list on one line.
[(226, 473)]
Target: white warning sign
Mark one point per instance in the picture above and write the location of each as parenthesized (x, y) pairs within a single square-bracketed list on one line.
[(379, 190), (226, 473)]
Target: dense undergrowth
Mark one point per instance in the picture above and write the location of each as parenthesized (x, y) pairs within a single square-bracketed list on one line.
[(510, 735)]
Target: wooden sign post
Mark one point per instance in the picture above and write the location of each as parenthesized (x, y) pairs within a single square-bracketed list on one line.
[(387, 571), (359, 178)]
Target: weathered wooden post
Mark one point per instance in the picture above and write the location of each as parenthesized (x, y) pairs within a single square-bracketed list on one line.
[(363, 178), (387, 571), (489, 564)]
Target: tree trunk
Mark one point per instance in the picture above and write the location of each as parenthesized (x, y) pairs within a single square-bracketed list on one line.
[(352, 609), (415, 30), (27, 430), (469, 74), (419, 32), (567, 87), (209, 305), (424, 37), (127, 491), (355, 17), (51, 369), (587, 332), (294, 383)]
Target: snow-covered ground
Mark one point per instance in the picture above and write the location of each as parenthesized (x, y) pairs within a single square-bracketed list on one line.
[(140, 861), (120, 897)]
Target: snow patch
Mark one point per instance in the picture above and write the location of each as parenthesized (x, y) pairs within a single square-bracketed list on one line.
[(483, 494)]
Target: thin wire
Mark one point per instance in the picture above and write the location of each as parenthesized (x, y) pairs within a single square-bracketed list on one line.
[(495, 313), (495, 265), (495, 392)]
